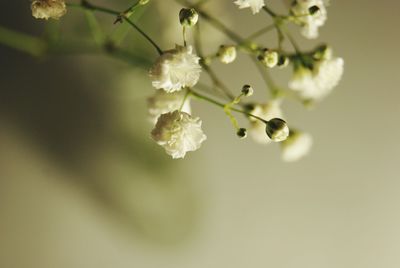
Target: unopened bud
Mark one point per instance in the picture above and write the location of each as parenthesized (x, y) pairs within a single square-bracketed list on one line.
[(247, 90), (242, 133), (269, 58), (226, 54), (323, 52), (283, 61), (277, 129), (188, 17)]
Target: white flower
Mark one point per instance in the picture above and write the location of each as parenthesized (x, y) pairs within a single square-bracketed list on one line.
[(45, 9), (178, 132), (310, 22), (176, 69), (317, 83), (267, 112), (162, 102), (296, 146), (254, 5)]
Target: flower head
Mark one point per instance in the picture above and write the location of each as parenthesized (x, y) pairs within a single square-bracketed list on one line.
[(227, 54), (317, 83), (162, 102), (254, 5), (267, 112), (176, 69), (178, 132), (310, 14), (296, 146), (45, 9)]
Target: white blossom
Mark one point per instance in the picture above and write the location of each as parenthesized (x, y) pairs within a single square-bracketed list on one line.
[(227, 54), (178, 132), (317, 83), (296, 146), (267, 112), (310, 22), (176, 69), (162, 102), (45, 9), (254, 5)]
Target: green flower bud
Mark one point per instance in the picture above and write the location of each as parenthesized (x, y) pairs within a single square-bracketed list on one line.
[(242, 133), (247, 90), (188, 17), (277, 130)]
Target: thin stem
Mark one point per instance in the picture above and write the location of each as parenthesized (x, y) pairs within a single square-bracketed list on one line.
[(159, 50), (94, 27), (269, 11), (217, 103), (261, 32), (184, 35), (23, 42)]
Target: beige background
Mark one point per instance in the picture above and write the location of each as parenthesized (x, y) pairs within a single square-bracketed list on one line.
[(81, 184)]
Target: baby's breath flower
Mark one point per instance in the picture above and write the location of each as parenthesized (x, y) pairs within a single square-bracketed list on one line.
[(46, 9), (247, 90), (269, 58), (267, 112), (227, 54), (277, 129), (178, 132), (176, 69), (311, 14), (254, 5), (188, 17), (162, 102), (296, 146), (317, 83)]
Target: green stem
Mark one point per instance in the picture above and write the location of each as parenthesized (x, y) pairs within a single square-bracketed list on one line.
[(159, 50), (220, 104), (23, 42), (261, 32), (269, 11)]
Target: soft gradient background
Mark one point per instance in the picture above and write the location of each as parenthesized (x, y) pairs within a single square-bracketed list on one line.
[(82, 185)]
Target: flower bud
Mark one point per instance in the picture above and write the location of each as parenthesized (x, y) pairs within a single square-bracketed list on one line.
[(226, 54), (242, 133), (188, 17), (269, 58), (247, 90), (283, 61), (277, 129)]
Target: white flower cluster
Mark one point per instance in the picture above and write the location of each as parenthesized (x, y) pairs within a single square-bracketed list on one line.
[(175, 129), (317, 82), (46, 9)]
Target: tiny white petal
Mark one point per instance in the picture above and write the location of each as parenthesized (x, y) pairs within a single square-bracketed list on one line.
[(254, 5), (296, 146), (176, 69), (46, 9), (178, 132)]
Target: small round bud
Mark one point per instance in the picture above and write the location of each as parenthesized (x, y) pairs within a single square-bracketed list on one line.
[(283, 61), (269, 58), (188, 16), (226, 54), (313, 10), (247, 90), (242, 133), (143, 2), (277, 129)]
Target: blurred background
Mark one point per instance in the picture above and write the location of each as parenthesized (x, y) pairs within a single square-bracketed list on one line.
[(83, 185)]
